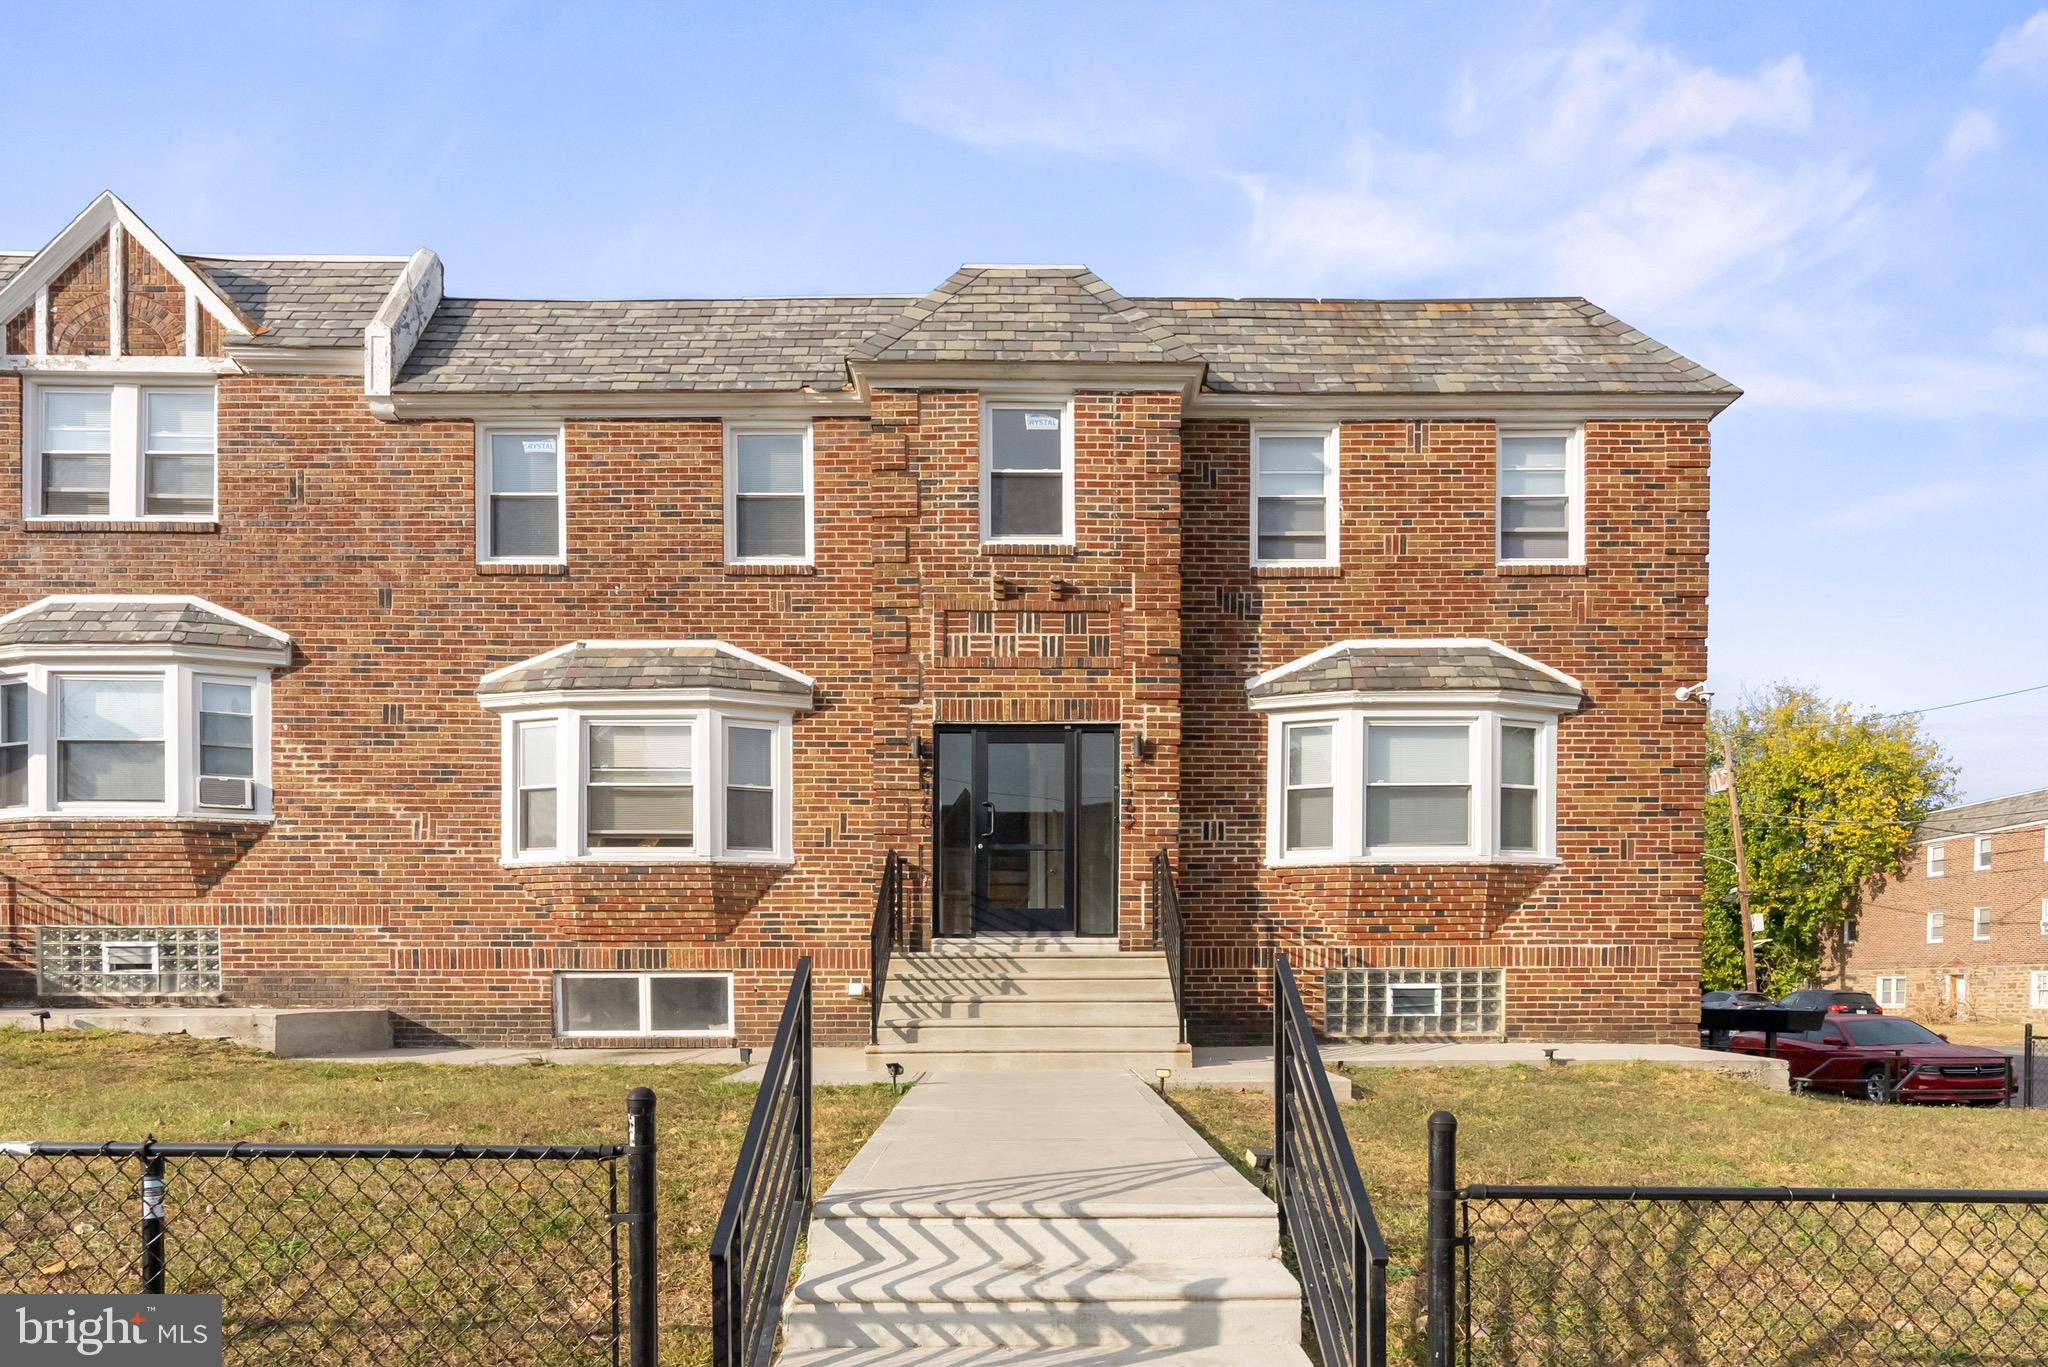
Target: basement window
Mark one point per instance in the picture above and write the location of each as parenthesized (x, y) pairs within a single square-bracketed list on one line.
[(643, 1004), (1407, 1003), (127, 961)]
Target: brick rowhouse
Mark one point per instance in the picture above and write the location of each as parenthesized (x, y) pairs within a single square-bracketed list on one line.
[(348, 397)]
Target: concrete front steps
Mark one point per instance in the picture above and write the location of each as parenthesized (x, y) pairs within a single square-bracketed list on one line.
[(1041, 1219), (1029, 1002)]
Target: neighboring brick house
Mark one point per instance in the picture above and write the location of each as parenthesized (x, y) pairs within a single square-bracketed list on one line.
[(1961, 932), (568, 668)]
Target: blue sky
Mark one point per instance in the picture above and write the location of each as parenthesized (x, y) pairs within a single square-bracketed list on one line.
[(1839, 208)]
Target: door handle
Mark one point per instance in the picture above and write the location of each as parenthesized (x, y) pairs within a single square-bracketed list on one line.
[(990, 808)]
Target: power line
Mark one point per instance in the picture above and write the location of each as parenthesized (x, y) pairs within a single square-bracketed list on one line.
[(1966, 702)]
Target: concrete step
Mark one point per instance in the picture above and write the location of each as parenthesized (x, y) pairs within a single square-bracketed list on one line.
[(1149, 987), (966, 1058), (978, 1034), (851, 1237), (989, 1303), (1064, 945), (956, 967), (1236, 1355), (1032, 1011)]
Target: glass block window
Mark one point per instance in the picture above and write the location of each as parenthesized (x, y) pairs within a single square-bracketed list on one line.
[(1411, 1003), (127, 961)]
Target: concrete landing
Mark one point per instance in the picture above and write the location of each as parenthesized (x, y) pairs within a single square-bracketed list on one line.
[(1045, 1217), (288, 1032)]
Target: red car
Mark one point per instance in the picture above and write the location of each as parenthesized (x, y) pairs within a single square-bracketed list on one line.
[(1886, 1058)]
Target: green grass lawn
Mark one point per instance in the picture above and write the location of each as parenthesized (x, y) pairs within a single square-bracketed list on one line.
[(1653, 1126), (97, 1086)]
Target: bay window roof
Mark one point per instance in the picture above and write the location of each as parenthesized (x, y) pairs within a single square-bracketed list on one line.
[(143, 624), (1453, 669), (699, 667)]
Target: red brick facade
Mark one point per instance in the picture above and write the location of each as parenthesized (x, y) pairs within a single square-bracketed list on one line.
[(380, 879)]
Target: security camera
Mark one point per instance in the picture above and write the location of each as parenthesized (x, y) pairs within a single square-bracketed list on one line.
[(1691, 692)]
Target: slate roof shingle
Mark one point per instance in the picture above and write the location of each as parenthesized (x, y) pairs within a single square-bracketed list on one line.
[(1463, 665), (303, 301), (612, 666), (997, 314), (504, 345), (1992, 814), (134, 621), (1427, 346)]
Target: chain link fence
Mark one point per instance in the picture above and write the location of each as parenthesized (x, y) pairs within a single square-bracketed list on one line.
[(398, 1255)]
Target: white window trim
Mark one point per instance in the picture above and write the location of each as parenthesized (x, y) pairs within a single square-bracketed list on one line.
[(1937, 860), (707, 724), (1891, 991), (733, 432), (1981, 854), (1332, 521), (1319, 853), (180, 798), (1348, 805), (2044, 915), (1574, 484), (155, 958), (484, 432), (1065, 404), (127, 441), (1937, 927), (646, 1007), (1980, 923), (2037, 993)]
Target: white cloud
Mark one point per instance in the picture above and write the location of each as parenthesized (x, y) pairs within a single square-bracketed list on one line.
[(1975, 132), (1877, 511), (2022, 50)]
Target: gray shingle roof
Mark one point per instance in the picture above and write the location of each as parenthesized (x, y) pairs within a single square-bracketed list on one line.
[(617, 666), (501, 345), (1992, 814), (1024, 313), (131, 622), (1427, 346), (1464, 665), (303, 302), (10, 262)]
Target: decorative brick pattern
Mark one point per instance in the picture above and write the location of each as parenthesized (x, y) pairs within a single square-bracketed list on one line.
[(153, 307), (1046, 635), (20, 337), (80, 305)]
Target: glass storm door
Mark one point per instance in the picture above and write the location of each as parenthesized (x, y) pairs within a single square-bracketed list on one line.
[(1026, 827)]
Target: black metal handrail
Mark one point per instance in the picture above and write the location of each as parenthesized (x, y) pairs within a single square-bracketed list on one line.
[(1172, 934), (769, 1201), (1324, 1211), (883, 937)]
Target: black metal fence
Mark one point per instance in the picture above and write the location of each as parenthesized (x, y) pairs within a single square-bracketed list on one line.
[(440, 1255), (1172, 934), (1735, 1275), (2030, 1085), (883, 936), (1325, 1215), (769, 1201)]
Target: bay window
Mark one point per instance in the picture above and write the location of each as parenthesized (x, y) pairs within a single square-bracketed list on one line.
[(638, 793), (110, 739), (1403, 785), (13, 743), (533, 816), (131, 451)]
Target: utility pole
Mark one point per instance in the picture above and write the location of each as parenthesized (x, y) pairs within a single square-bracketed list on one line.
[(1741, 867)]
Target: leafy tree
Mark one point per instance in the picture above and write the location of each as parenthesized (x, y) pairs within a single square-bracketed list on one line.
[(1830, 800)]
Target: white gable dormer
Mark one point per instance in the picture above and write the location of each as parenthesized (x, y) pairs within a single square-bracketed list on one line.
[(103, 282)]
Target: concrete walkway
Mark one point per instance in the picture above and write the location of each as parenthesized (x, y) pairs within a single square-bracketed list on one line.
[(1001, 1217)]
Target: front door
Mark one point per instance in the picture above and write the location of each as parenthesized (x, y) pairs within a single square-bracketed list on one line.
[(1026, 831)]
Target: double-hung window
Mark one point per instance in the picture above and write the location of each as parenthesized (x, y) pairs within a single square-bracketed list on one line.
[(536, 790), (1027, 468), (640, 792), (1936, 860), (1891, 992), (1309, 787), (1937, 927), (1541, 480), (1983, 852), (1294, 496), (110, 739), (1520, 793), (13, 743), (1418, 786), (227, 742), (750, 787), (521, 513), (122, 451), (1980, 923), (768, 499)]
